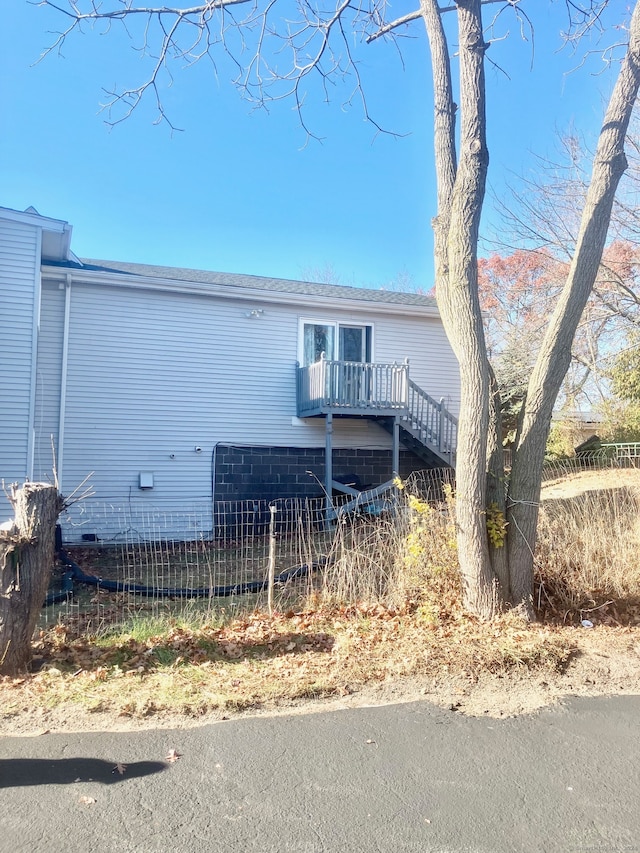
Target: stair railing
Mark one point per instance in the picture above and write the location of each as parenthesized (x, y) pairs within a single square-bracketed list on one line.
[(430, 421), (378, 388)]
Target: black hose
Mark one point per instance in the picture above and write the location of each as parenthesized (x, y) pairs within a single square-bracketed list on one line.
[(76, 575), (63, 594)]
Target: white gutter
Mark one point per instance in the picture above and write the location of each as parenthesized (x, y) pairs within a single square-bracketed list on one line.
[(235, 292), (63, 377)]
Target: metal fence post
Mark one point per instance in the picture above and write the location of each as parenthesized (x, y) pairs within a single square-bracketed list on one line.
[(272, 557)]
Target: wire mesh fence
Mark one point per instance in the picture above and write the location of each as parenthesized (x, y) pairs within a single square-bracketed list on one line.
[(594, 460), (123, 559), (132, 559), (149, 560)]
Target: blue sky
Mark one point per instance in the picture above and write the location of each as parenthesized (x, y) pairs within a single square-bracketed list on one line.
[(238, 190)]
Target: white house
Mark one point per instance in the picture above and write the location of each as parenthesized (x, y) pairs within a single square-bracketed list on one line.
[(174, 387)]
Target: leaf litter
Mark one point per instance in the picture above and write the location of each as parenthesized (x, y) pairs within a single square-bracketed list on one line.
[(258, 662), (364, 653)]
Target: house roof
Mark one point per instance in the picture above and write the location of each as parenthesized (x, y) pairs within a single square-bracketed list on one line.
[(250, 282), (56, 233)]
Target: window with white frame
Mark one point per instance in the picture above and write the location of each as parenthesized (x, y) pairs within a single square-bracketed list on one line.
[(339, 341)]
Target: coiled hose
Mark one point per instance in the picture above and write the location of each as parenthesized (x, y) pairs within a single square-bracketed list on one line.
[(76, 575)]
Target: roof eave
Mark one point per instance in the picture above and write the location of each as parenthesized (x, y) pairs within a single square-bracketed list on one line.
[(56, 232), (243, 294)]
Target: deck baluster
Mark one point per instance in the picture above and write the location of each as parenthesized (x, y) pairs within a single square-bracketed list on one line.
[(376, 390)]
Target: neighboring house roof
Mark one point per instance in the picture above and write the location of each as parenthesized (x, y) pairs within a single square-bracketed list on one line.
[(251, 282), (575, 416)]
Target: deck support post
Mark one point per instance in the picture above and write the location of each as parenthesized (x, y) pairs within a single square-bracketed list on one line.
[(328, 467), (395, 453)]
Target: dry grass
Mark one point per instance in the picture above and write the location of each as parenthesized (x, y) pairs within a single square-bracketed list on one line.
[(386, 609), (587, 558), (256, 662), (589, 544), (403, 559)]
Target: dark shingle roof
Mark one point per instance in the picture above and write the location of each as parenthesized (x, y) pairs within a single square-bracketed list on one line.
[(254, 282)]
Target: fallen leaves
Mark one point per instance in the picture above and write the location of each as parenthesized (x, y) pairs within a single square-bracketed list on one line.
[(255, 636), (257, 660)]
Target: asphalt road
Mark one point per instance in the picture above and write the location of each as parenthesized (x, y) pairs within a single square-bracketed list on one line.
[(395, 778)]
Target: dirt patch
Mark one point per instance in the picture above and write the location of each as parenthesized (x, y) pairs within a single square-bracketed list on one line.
[(572, 485), (604, 661)]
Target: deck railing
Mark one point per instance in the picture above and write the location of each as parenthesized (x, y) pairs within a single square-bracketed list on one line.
[(377, 389), (352, 385)]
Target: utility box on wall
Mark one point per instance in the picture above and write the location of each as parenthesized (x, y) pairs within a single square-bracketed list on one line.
[(145, 480)]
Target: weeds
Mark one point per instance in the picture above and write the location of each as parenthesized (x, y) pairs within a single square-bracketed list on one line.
[(387, 606), (404, 560), (588, 548)]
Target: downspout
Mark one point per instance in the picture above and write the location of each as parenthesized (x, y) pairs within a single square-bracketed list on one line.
[(31, 431), (63, 377), (214, 456)]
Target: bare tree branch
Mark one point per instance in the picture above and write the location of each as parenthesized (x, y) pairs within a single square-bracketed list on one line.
[(405, 19), (274, 57)]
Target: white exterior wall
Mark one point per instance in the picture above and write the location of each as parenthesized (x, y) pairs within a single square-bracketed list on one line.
[(19, 303), (48, 381), (152, 375)]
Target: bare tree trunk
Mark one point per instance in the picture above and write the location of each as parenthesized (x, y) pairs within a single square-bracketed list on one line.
[(27, 552), (491, 574), (555, 353), (461, 191), (496, 491)]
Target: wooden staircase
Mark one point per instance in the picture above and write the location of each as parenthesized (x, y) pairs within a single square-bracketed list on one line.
[(386, 394), (427, 428)]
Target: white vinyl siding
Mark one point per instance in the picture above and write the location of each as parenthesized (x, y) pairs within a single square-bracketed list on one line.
[(48, 381), (153, 375), (432, 364), (19, 287)]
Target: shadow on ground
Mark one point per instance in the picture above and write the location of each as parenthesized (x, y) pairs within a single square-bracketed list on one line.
[(19, 772)]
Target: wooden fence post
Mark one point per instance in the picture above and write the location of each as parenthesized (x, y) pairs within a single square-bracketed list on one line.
[(27, 552)]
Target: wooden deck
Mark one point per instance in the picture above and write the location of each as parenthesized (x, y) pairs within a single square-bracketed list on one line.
[(377, 390), (351, 388)]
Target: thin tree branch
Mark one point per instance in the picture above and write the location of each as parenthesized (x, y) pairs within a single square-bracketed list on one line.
[(405, 19)]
